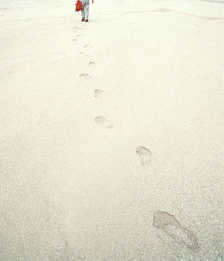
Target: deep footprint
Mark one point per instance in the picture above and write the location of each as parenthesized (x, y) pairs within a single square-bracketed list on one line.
[(99, 93), (171, 227), (91, 64), (103, 122), (145, 155), (85, 75)]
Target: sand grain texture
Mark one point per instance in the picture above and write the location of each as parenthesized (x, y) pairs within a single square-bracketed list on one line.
[(74, 188)]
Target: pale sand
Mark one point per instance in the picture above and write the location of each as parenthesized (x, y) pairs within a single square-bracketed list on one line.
[(112, 132)]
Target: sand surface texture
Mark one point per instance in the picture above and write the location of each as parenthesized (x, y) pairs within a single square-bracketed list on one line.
[(111, 132)]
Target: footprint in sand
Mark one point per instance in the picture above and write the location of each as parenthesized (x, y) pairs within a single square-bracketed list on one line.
[(171, 227), (91, 64), (162, 10), (99, 93), (83, 53), (75, 40), (103, 122), (85, 75), (87, 46), (144, 154)]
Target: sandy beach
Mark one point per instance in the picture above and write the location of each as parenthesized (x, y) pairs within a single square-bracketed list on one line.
[(112, 131)]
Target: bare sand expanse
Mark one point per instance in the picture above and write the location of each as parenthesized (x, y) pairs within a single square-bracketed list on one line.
[(111, 136)]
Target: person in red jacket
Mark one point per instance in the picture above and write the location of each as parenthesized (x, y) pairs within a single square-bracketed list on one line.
[(85, 10)]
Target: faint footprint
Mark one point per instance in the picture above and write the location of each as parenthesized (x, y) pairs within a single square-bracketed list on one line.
[(75, 40), (174, 230), (144, 154), (83, 53), (162, 10), (104, 122), (91, 64), (87, 45), (85, 75), (99, 93)]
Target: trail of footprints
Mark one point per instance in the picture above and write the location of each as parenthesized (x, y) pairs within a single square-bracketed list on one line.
[(169, 229)]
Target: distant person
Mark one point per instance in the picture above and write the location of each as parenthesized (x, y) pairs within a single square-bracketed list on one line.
[(85, 10)]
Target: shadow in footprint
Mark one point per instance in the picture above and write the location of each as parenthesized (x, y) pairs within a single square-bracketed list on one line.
[(91, 64), (103, 122), (99, 93), (169, 225), (84, 75), (144, 154)]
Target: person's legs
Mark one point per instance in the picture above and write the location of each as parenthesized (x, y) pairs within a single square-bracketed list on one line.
[(83, 14), (87, 10), (83, 10)]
